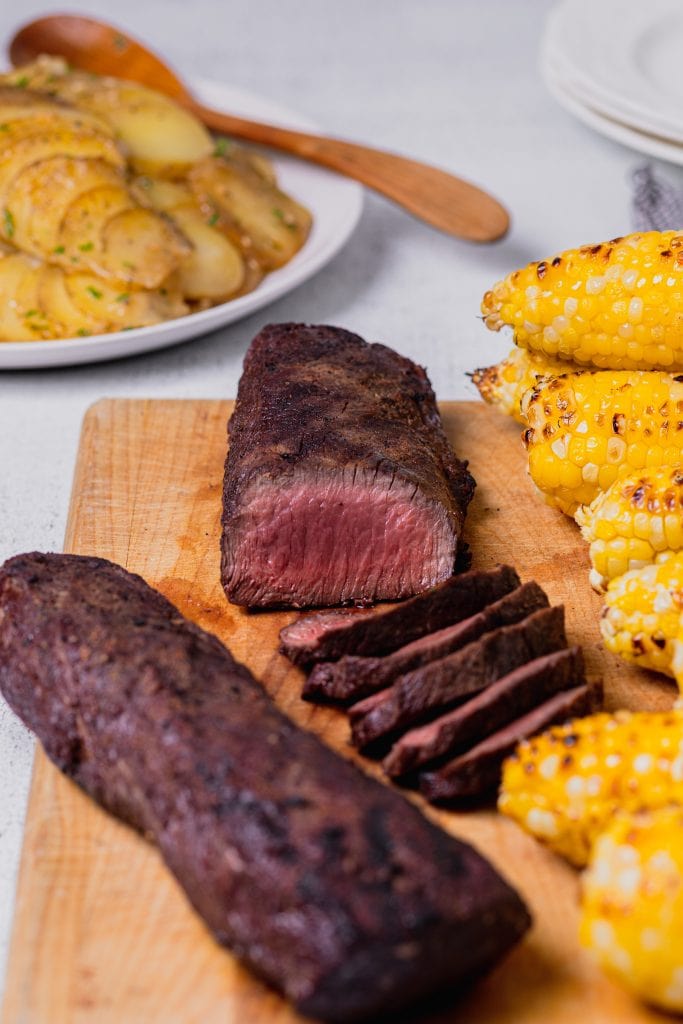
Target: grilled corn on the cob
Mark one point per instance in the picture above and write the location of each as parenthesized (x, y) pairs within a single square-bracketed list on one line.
[(587, 429), (642, 617), (617, 305), (505, 383), (632, 904), (565, 785), (634, 520)]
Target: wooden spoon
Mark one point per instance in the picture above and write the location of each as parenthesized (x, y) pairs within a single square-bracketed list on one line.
[(444, 201)]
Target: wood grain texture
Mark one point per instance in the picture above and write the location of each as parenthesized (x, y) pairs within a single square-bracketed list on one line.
[(102, 933)]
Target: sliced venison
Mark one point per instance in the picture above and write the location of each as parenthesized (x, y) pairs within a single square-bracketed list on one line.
[(318, 637), (500, 703), (442, 684), (476, 774), (340, 485), (330, 886), (352, 678)]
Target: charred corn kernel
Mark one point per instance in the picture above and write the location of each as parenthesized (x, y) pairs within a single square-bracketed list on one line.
[(632, 904), (564, 786), (505, 383), (643, 615), (617, 305), (634, 520), (606, 424)]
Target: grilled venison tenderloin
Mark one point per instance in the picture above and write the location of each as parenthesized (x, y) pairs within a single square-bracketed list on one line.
[(340, 485), (329, 885)]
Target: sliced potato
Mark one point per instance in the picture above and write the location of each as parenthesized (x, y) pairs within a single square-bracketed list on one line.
[(142, 246), (160, 194), (43, 146), (260, 219), (20, 104), (81, 233), (55, 300), (94, 231), (21, 317), (122, 310), (214, 269), (157, 134), (40, 195)]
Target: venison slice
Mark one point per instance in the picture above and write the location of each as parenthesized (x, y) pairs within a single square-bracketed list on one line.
[(340, 484), (442, 684), (318, 637), (476, 774), (500, 703), (352, 678), (330, 886)]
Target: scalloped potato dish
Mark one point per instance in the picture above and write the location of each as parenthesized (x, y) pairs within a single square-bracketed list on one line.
[(119, 210)]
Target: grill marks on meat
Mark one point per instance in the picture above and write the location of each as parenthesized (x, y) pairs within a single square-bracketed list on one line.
[(352, 678), (325, 636), (340, 485), (478, 771), (446, 708), (329, 885), (455, 678)]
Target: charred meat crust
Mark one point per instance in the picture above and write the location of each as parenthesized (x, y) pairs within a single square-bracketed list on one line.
[(451, 680), (329, 885), (379, 633), (504, 701), (477, 772), (317, 405), (352, 678)]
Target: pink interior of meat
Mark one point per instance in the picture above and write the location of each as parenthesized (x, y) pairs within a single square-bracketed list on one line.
[(311, 627), (344, 539)]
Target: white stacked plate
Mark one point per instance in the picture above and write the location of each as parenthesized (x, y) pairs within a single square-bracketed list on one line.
[(615, 64)]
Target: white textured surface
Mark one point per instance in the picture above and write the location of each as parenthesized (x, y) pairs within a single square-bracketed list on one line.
[(453, 83)]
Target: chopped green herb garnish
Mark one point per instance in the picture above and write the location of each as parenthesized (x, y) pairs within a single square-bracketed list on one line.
[(59, 249), (120, 42), (222, 147), (4, 127), (31, 312), (282, 216), (213, 219), (128, 264), (123, 297), (82, 333), (86, 247), (95, 292), (9, 223), (22, 82)]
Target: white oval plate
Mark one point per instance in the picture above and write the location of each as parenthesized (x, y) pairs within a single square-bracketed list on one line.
[(335, 202), (652, 145), (620, 58)]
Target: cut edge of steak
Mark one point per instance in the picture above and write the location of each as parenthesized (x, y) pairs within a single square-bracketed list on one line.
[(500, 703), (329, 885), (476, 774), (352, 678), (340, 484), (420, 695), (381, 632)]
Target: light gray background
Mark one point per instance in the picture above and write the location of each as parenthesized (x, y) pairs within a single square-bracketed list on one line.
[(453, 82)]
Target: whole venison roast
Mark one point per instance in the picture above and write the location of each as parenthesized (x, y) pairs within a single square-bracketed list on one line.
[(340, 485), (329, 885)]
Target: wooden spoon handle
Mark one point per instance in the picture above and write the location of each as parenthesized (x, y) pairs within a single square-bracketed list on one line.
[(444, 201)]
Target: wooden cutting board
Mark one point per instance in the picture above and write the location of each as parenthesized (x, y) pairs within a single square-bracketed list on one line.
[(102, 933)]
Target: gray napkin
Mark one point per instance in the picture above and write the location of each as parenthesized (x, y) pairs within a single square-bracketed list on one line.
[(657, 205)]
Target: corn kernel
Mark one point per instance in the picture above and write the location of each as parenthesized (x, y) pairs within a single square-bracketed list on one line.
[(622, 300)]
